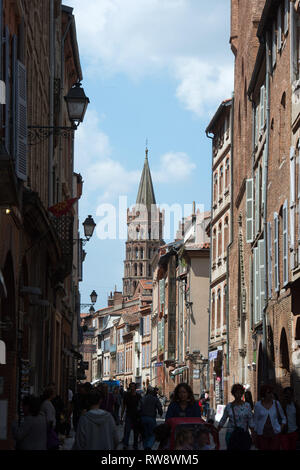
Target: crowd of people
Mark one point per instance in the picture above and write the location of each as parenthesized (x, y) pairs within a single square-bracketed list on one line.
[(96, 412)]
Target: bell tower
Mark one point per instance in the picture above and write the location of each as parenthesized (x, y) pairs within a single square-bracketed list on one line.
[(144, 234)]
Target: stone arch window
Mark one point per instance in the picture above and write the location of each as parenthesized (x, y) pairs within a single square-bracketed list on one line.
[(136, 253), (213, 309), (129, 253), (224, 305), (220, 239), (221, 179), (142, 253), (149, 253), (226, 233), (284, 353), (141, 269), (214, 245), (135, 269), (219, 300), (149, 271), (215, 186), (227, 173)]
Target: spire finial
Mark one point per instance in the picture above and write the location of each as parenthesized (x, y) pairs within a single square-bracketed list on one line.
[(147, 147)]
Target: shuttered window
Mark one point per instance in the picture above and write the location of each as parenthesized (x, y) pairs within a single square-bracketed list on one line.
[(256, 124), (257, 200), (279, 29), (286, 16), (285, 243), (269, 247), (256, 284), (273, 44), (292, 205), (261, 251), (21, 121), (262, 106), (276, 252), (249, 210)]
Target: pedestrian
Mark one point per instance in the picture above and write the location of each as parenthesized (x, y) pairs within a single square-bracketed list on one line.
[(131, 404), (50, 413), (80, 402), (240, 419), (291, 409), (31, 434), (108, 400), (150, 405), (248, 399), (269, 420), (117, 404), (184, 439), (183, 403), (96, 428)]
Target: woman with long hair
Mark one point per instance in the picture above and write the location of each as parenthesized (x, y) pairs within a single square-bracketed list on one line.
[(183, 403)]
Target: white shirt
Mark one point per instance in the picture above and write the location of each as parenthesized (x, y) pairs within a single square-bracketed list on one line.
[(291, 417), (49, 411), (261, 415)]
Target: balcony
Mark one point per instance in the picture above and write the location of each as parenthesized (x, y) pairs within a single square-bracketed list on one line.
[(64, 229)]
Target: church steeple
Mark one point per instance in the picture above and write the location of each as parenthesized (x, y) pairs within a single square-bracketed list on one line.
[(146, 192)]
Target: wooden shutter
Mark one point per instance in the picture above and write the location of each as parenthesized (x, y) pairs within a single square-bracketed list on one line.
[(261, 250), (262, 106), (279, 28), (21, 122), (269, 247), (273, 44), (286, 16), (285, 242), (257, 201), (251, 303), (249, 210), (256, 285), (292, 205), (276, 252)]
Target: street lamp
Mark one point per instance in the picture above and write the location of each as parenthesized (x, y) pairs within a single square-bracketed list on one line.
[(93, 296), (89, 227), (77, 103)]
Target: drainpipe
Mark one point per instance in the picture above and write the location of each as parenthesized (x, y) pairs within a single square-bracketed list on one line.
[(231, 232), (210, 265), (268, 68), (51, 103)]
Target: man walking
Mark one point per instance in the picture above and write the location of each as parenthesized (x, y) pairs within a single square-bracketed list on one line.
[(96, 428), (131, 403), (150, 406)]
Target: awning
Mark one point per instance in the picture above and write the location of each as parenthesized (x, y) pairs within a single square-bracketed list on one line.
[(2, 353), (179, 370), (95, 381)]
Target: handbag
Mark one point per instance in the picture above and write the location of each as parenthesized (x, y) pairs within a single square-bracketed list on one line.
[(239, 439)]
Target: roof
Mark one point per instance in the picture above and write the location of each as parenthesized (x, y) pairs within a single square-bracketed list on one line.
[(131, 318), (217, 114), (146, 284), (146, 192)]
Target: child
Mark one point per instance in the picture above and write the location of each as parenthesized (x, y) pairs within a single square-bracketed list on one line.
[(203, 439), (184, 440)]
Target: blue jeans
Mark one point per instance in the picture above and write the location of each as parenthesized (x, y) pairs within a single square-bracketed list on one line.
[(148, 425), (131, 425)]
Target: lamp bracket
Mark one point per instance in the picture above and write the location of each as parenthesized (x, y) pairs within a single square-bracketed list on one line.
[(37, 134)]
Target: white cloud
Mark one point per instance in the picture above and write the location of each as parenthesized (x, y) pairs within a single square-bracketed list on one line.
[(184, 38), (174, 167), (202, 84)]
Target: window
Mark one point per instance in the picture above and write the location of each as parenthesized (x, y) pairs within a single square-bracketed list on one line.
[(227, 173), (285, 244), (276, 252), (224, 305), (219, 310), (215, 186), (221, 180), (214, 253), (220, 240), (213, 307), (226, 233)]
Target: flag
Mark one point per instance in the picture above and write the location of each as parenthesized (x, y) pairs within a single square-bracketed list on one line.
[(63, 207)]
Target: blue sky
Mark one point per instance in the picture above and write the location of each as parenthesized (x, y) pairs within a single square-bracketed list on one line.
[(155, 69)]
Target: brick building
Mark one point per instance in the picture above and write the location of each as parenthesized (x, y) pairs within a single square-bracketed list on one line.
[(220, 127), (263, 256), (39, 63)]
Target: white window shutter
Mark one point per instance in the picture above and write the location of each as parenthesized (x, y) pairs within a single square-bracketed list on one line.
[(292, 205), (286, 16), (285, 242), (249, 210), (257, 201), (279, 29), (256, 285), (261, 250), (21, 122), (262, 106), (276, 252), (269, 246), (273, 44)]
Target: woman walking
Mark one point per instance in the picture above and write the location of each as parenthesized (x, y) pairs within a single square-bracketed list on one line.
[(32, 433), (292, 412), (240, 419), (183, 403), (269, 420)]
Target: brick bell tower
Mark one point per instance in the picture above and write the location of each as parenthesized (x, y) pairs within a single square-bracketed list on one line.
[(144, 234)]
